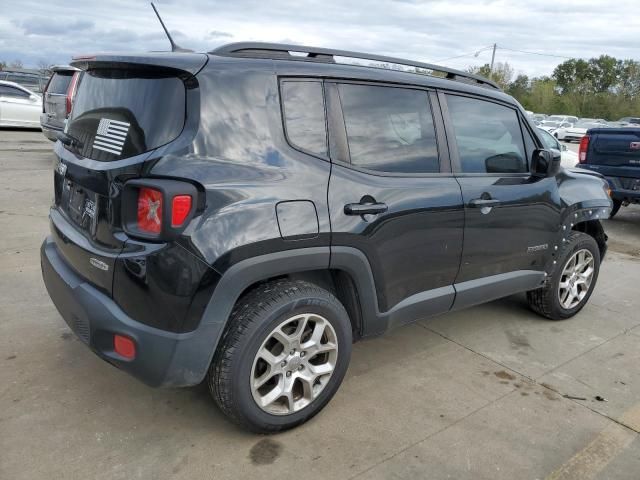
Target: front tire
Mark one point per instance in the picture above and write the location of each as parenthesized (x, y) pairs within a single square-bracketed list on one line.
[(568, 288), (282, 357)]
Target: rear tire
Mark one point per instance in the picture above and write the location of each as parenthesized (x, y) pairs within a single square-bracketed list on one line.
[(282, 356), (616, 207), (567, 290)]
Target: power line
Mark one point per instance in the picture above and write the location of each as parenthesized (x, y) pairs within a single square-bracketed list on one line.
[(498, 47), (535, 53), (472, 54)]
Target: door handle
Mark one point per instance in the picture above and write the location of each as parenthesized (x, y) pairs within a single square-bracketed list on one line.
[(365, 208), (484, 202)]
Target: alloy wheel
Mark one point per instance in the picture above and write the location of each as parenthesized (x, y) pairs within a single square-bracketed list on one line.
[(294, 364), (576, 279)]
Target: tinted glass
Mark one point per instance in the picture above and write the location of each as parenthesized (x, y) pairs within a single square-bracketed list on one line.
[(304, 115), (60, 82), (389, 129), (548, 140), (8, 91), (133, 111), (488, 136)]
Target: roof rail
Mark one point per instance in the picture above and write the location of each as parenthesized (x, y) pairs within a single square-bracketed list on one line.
[(316, 54)]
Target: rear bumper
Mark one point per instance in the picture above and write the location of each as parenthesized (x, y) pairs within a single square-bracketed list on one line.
[(162, 358), (619, 192), (50, 131)]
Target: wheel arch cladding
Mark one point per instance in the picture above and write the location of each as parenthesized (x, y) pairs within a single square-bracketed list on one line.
[(594, 229), (311, 264)]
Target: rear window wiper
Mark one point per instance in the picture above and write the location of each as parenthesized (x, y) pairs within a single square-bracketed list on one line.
[(70, 141)]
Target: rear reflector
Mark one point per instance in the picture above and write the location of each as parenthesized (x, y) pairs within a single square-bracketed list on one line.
[(149, 210), (582, 151), (180, 208), (124, 346)]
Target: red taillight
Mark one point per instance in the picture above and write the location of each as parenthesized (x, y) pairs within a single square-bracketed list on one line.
[(582, 151), (149, 210), (71, 92), (180, 208), (124, 346)]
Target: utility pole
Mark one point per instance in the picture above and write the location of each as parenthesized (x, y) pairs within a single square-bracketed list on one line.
[(493, 57)]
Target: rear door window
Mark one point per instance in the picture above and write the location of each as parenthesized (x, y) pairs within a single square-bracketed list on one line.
[(488, 136), (120, 113), (389, 129), (303, 108)]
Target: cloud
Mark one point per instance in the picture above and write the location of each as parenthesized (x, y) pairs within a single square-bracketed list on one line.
[(424, 31), (43, 26), (218, 34)]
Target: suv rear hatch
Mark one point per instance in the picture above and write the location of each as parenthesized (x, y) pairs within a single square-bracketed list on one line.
[(55, 97), (128, 111)]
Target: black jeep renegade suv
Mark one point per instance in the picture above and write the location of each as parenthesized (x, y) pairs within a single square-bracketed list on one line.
[(244, 216)]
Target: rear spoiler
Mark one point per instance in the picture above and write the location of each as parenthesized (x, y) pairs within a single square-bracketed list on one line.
[(187, 62)]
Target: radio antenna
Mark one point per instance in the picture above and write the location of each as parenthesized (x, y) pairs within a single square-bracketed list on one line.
[(174, 45)]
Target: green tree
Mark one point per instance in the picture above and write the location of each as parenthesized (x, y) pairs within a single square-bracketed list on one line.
[(520, 88), (502, 73), (604, 73)]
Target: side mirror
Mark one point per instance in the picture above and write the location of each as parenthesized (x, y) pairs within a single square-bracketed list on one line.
[(563, 148), (545, 163)]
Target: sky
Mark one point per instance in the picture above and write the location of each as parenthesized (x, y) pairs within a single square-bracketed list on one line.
[(35, 31)]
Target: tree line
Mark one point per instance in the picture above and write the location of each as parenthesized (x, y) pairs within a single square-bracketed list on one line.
[(602, 87)]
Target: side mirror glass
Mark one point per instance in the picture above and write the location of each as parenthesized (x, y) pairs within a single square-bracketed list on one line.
[(545, 163)]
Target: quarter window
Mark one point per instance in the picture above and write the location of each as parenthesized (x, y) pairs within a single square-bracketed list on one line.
[(389, 129), (488, 136), (304, 115)]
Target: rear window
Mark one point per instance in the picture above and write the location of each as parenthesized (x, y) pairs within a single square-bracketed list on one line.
[(121, 113), (389, 129), (60, 82)]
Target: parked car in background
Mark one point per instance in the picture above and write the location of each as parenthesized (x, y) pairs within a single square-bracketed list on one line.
[(539, 117), (57, 100), (19, 106), (593, 120), (614, 153), (630, 120), (552, 126), (28, 78), (568, 159), (562, 118), (577, 131)]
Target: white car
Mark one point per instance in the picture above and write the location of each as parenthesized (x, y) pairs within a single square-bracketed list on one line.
[(563, 118), (551, 126), (19, 106), (577, 131), (568, 159)]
